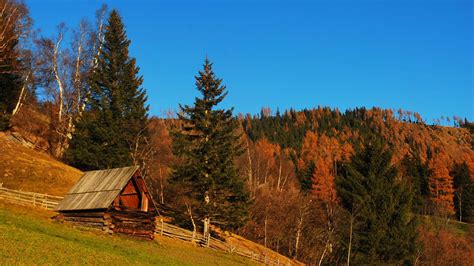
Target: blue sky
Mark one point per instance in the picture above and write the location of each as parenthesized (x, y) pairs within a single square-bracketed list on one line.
[(411, 54)]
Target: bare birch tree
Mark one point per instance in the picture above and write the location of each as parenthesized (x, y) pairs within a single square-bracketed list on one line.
[(15, 33), (63, 71), (15, 25)]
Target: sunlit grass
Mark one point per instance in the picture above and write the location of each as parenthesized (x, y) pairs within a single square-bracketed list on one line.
[(30, 236), (437, 223)]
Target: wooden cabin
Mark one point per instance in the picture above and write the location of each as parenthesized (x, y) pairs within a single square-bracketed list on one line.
[(114, 200)]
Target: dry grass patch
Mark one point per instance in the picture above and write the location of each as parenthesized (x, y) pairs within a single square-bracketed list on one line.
[(25, 169)]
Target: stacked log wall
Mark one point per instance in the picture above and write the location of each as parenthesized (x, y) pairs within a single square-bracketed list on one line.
[(90, 219), (135, 223)]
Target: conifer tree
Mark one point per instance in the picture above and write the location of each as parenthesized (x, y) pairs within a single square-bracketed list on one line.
[(306, 177), (464, 192), (208, 144), (384, 230), (116, 115), (417, 173)]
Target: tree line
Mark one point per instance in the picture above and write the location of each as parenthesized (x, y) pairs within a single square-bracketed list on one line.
[(317, 185)]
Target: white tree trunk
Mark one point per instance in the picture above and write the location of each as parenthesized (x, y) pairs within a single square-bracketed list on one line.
[(250, 168), (207, 232), (279, 174), (19, 103), (77, 70), (56, 75), (162, 194), (350, 241), (299, 228), (322, 255)]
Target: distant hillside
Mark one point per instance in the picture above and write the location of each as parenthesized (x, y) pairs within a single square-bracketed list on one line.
[(406, 132), (30, 170)]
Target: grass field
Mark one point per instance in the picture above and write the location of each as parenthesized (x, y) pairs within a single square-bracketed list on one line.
[(29, 236)]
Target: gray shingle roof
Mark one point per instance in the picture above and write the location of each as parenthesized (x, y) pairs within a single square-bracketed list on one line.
[(96, 189)]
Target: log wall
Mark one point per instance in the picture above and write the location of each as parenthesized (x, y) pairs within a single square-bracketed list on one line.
[(134, 223)]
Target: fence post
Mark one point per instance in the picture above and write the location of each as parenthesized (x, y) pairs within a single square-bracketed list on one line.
[(45, 201), (161, 226)]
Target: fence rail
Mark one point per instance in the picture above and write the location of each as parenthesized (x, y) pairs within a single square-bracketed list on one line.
[(30, 198), (172, 231)]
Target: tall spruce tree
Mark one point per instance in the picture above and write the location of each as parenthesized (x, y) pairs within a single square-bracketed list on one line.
[(464, 195), (116, 115), (208, 144), (384, 229), (417, 174), (305, 176)]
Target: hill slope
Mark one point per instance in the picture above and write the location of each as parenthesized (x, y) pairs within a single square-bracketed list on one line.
[(23, 168), (29, 170), (30, 236)]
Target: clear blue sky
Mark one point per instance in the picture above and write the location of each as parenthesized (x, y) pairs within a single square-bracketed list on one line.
[(411, 54)]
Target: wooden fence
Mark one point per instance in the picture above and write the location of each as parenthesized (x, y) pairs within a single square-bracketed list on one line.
[(172, 231), (29, 198)]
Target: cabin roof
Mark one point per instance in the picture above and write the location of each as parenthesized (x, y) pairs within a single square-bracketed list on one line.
[(97, 189)]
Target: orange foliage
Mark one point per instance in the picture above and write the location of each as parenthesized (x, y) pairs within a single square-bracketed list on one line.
[(445, 248), (309, 148), (441, 183), (323, 187), (324, 152)]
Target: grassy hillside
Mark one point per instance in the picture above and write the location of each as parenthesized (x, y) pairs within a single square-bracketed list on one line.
[(433, 223), (30, 170), (30, 236)]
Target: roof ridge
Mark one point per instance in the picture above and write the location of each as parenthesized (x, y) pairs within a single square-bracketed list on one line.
[(95, 191), (133, 166)]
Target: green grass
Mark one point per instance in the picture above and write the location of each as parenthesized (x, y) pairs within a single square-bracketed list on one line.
[(29, 236), (434, 223)]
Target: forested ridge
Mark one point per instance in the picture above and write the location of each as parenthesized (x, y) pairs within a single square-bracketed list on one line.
[(319, 185), (293, 160)]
